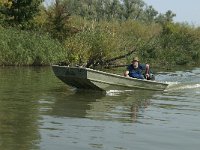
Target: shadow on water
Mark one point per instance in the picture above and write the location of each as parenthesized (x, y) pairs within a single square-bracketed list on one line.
[(113, 105), (74, 104)]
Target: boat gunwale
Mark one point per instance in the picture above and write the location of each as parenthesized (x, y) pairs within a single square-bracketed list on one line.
[(142, 88)]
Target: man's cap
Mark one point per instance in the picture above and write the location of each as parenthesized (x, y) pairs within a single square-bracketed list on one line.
[(135, 58)]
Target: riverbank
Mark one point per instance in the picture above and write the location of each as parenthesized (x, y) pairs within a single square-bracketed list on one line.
[(69, 33), (163, 46)]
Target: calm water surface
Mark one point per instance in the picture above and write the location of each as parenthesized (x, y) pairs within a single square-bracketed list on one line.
[(38, 112)]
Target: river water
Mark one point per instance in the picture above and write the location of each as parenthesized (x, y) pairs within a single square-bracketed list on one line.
[(38, 112)]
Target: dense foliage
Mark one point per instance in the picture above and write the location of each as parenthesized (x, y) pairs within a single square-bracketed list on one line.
[(93, 33), (28, 48)]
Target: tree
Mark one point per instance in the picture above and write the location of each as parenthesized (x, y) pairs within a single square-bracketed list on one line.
[(5, 3), (112, 9), (165, 18), (21, 11), (150, 14), (132, 8), (100, 9), (89, 9), (74, 7), (58, 19)]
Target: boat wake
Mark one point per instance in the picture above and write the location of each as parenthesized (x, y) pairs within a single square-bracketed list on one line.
[(178, 86), (117, 92)]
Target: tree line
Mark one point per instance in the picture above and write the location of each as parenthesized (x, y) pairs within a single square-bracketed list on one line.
[(94, 33)]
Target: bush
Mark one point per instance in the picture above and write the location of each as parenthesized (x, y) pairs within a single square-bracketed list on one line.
[(28, 48), (98, 42)]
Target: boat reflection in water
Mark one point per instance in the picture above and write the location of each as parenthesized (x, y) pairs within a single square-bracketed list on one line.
[(117, 105)]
